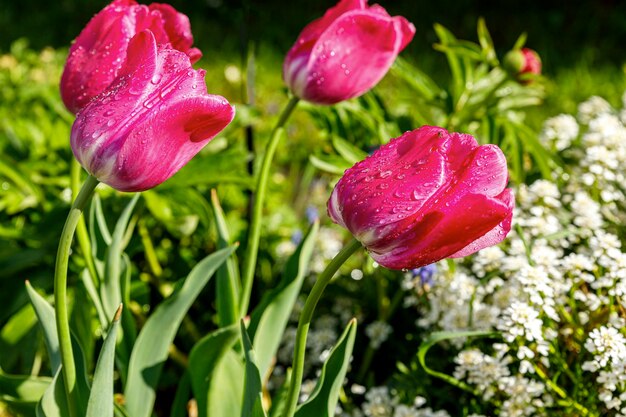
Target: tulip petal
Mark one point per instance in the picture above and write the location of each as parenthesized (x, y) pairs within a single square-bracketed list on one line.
[(350, 57), (495, 235), (485, 172), (178, 30), (105, 37), (100, 50), (439, 234), (313, 30), (166, 140)]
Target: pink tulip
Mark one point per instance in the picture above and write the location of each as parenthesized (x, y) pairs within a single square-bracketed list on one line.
[(345, 53), (152, 119), (425, 196), (99, 52)]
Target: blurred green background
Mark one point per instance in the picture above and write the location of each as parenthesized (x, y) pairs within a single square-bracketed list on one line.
[(563, 32), (581, 43)]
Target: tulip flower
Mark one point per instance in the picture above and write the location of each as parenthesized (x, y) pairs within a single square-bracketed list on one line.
[(152, 119), (425, 196), (99, 51), (522, 62), (345, 53)]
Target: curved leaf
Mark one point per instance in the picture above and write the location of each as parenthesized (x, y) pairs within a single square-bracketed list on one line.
[(100, 402), (46, 317), (323, 400), (252, 388), (270, 318), (204, 359), (151, 348)]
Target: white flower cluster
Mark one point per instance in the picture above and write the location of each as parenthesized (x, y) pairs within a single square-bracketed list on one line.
[(559, 279), (608, 346), (379, 402)]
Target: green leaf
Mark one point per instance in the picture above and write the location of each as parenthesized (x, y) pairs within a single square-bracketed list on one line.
[(179, 405), (486, 43), (56, 388), (204, 359), (180, 210), (97, 218), (350, 153), (226, 389), (111, 291), (252, 387), (22, 392), (271, 316), (45, 315), (521, 40), (437, 337), (100, 402), (331, 164), (227, 279), (151, 347), (53, 402), (417, 79), (323, 399), (222, 164)]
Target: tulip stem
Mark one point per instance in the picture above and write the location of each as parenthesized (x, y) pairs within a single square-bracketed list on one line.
[(254, 233), (323, 279), (82, 236), (60, 291)]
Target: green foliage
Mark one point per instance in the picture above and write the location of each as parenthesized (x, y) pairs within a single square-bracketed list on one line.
[(323, 400), (150, 349), (189, 345)]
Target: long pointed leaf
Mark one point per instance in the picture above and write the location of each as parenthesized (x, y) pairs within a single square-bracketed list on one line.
[(323, 400), (53, 402), (228, 281), (46, 317), (270, 318), (204, 359), (252, 388), (111, 292), (56, 386), (100, 402), (151, 347)]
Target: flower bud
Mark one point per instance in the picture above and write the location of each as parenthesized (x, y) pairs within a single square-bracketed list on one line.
[(522, 62), (345, 53), (425, 196)]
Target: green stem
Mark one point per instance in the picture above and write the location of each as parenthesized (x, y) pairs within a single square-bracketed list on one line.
[(297, 368), (561, 393), (82, 236), (254, 234), (60, 291)]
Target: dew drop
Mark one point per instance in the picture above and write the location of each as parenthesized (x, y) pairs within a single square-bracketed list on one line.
[(156, 78)]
